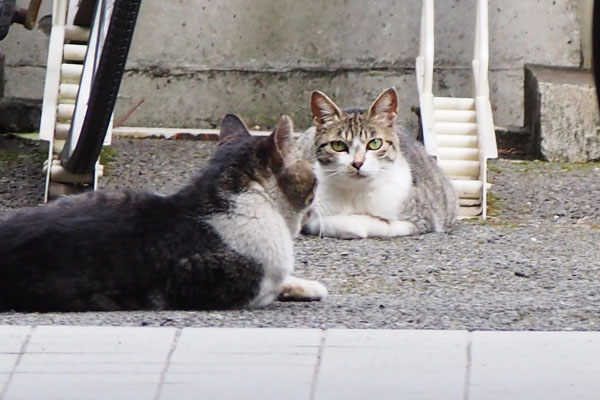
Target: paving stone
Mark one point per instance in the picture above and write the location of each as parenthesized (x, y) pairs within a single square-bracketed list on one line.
[(66, 362), (73, 386), (242, 363), (100, 340), (535, 365), (380, 364), (92, 363), (11, 341)]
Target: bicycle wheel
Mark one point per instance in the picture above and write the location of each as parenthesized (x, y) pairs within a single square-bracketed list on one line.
[(111, 32)]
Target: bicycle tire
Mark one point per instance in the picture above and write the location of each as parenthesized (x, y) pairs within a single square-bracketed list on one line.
[(104, 89)]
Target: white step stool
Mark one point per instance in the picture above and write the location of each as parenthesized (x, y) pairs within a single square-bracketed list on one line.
[(459, 131)]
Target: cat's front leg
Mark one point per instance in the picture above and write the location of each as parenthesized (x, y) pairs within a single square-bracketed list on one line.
[(298, 289), (402, 228), (357, 226), (337, 226)]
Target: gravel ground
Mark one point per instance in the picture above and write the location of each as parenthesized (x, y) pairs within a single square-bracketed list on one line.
[(533, 265)]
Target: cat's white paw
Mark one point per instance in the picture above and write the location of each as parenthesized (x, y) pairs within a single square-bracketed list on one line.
[(298, 289), (402, 228), (312, 227), (338, 226), (352, 232)]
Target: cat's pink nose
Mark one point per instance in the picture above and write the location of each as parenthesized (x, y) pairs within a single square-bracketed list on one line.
[(357, 164)]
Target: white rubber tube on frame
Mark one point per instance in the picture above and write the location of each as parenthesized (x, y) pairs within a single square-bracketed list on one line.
[(71, 72), (74, 52)]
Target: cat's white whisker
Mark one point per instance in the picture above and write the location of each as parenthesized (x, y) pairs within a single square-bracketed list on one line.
[(320, 216)]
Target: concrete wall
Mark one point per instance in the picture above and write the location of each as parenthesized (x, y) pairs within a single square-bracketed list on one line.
[(194, 60)]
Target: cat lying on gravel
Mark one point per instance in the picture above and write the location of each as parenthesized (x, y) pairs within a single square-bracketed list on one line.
[(374, 179), (223, 241)]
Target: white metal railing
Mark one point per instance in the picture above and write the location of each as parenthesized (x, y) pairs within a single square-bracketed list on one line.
[(480, 74), (481, 50), (424, 71), (426, 49)]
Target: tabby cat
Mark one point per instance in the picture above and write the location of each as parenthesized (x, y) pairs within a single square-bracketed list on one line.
[(223, 241), (375, 180)]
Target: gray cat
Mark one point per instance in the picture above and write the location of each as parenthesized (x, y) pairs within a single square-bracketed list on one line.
[(223, 241), (375, 180)]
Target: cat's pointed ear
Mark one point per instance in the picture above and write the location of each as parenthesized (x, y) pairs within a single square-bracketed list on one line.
[(232, 125), (385, 106), (323, 109), (283, 140)]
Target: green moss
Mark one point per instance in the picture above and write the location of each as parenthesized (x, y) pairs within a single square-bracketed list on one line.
[(495, 208), (527, 166), (11, 157), (8, 156), (578, 166), (495, 169), (533, 166), (107, 156), (494, 204), (29, 136)]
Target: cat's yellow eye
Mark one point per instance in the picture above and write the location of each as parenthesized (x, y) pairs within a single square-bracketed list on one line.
[(309, 199), (338, 145), (375, 144)]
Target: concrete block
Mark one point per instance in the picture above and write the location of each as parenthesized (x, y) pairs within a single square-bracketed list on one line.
[(88, 363), (520, 33), (535, 365), (26, 53), (561, 112), (24, 82), (200, 100), (384, 364), (88, 386), (20, 115), (24, 47), (92, 363), (250, 341), (100, 340), (4, 376), (259, 97), (261, 363), (12, 339)]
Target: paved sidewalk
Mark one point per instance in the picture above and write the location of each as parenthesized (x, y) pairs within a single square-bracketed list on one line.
[(66, 362)]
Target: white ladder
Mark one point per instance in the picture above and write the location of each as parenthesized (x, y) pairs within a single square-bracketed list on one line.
[(459, 131)]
